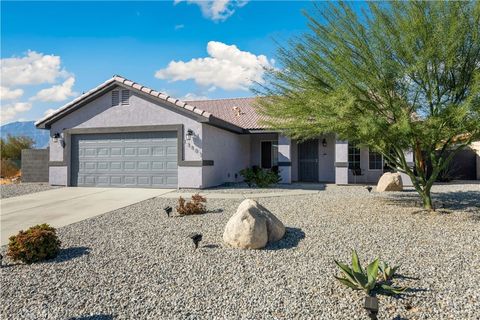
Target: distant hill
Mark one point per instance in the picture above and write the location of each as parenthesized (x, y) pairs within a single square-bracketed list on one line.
[(26, 128)]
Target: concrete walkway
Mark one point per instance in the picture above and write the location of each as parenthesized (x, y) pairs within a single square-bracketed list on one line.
[(60, 207), (239, 195)]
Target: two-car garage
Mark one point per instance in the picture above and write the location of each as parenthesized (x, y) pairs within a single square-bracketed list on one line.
[(133, 159)]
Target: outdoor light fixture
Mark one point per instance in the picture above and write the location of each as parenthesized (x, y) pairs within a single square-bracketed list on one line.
[(369, 188), (196, 238), (168, 210), (371, 305), (189, 134), (56, 136), (324, 142)]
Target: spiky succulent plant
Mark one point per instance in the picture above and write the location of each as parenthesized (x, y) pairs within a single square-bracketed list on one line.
[(386, 271), (358, 278)]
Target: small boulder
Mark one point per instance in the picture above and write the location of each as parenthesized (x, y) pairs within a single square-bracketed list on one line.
[(252, 227), (390, 182)]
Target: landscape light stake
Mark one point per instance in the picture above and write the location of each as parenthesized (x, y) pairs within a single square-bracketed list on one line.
[(371, 305), (369, 188), (168, 210), (196, 238)]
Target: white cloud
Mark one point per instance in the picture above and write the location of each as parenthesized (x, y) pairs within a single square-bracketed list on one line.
[(9, 111), (34, 68), (193, 97), (57, 93), (10, 94), (216, 10), (227, 67), (179, 26)]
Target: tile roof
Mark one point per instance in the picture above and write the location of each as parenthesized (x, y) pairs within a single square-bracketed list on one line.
[(238, 111)]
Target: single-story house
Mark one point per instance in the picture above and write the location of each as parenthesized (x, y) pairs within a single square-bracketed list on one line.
[(124, 134)]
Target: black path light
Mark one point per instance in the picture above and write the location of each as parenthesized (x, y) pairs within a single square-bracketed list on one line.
[(369, 188), (371, 305), (168, 210), (196, 238)]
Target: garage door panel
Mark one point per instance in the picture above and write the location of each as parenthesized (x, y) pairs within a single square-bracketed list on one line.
[(125, 160)]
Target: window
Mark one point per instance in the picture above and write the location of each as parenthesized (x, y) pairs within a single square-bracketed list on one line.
[(389, 166), (115, 98), (125, 97), (375, 160), (353, 156), (269, 154)]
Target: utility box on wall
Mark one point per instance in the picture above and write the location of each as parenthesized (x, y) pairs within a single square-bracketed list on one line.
[(34, 165)]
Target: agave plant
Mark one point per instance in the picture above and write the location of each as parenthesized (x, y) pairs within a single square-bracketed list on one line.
[(359, 279), (386, 272)]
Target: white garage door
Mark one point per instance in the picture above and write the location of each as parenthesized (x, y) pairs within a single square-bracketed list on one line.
[(140, 159)]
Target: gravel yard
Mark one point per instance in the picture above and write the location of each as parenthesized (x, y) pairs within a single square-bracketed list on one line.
[(19, 189), (135, 263), (244, 189)]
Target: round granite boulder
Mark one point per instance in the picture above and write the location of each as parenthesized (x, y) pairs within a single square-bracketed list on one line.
[(252, 227)]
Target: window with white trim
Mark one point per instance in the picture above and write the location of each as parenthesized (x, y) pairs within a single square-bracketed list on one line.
[(375, 160), (353, 156)]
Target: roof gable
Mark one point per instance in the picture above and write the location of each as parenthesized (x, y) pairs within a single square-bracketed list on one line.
[(110, 84)]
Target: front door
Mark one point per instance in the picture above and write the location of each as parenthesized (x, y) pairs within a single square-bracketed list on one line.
[(308, 161)]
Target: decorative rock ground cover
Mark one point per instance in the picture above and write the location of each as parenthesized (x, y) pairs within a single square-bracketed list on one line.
[(20, 189), (136, 263)]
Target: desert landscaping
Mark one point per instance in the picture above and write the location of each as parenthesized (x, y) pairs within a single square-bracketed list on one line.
[(138, 262)]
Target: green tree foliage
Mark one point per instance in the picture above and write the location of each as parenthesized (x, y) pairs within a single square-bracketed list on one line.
[(399, 76), (12, 147)]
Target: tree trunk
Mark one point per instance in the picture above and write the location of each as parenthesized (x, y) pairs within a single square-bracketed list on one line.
[(427, 200)]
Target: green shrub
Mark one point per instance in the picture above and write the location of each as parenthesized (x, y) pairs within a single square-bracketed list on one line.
[(196, 206), (261, 178), (38, 243), (357, 278)]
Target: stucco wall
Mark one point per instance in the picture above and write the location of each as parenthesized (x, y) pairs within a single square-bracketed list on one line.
[(230, 153), (326, 159), (141, 111)]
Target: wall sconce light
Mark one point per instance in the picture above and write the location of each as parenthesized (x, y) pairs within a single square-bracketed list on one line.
[(56, 136), (324, 142), (189, 134)]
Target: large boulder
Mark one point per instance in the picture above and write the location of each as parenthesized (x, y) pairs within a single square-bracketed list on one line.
[(390, 182), (252, 227)]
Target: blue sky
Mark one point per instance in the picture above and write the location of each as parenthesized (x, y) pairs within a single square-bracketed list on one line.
[(54, 51)]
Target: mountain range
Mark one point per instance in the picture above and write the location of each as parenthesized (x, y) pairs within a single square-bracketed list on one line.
[(26, 128)]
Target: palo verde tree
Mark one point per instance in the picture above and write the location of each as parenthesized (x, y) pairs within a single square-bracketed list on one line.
[(398, 76)]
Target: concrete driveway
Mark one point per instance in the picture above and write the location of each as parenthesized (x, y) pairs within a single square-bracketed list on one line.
[(60, 207)]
